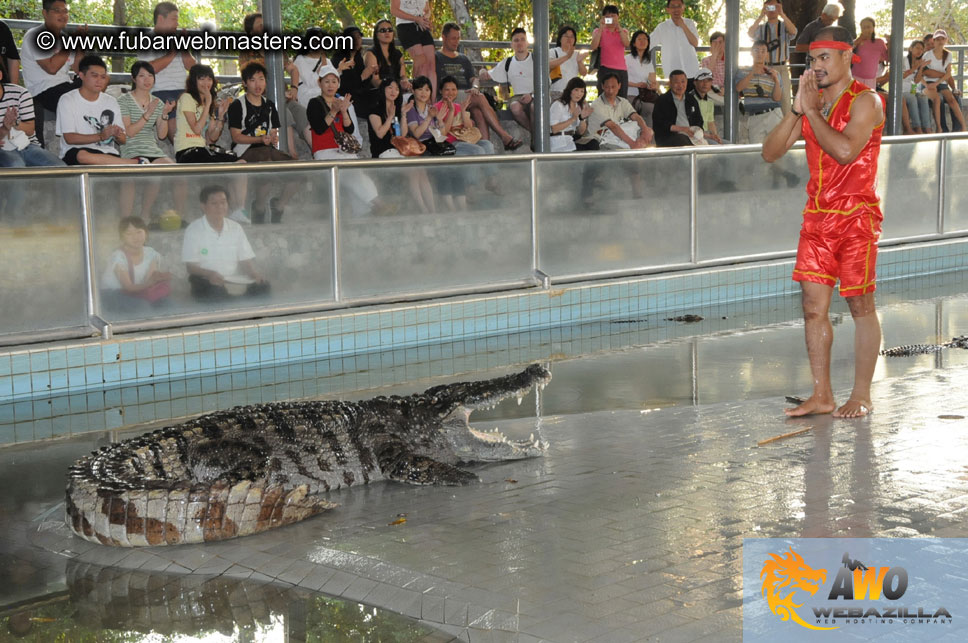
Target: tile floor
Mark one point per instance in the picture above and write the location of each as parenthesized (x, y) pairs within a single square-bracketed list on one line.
[(630, 529)]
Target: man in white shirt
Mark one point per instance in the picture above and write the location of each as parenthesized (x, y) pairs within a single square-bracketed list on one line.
[(518, 73), (46, 70), (89, 121), (678, 38), (216, 251)]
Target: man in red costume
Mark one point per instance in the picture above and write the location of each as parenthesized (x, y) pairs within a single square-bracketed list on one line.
[(841, 121)]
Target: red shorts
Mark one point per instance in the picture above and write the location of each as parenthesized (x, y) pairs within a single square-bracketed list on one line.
[(824, 260)]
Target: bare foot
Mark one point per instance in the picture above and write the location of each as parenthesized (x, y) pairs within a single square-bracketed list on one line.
[(854, 409), (813, 406)]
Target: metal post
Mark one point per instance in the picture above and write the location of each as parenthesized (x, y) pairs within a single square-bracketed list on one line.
[(895, 97), (87, 237), (334, 207), (541, 134), (961, 70), (693, 210), (276, 82), (942, 170), (730, 104)]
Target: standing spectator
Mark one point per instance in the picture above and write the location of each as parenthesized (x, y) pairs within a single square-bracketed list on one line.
[(917, 109), (133, 281), (9, 55), (217, 252), (46, 71), (827, 17), (254, 125), (414, 28), (354, 80), (19, 146), (702, 94), (678, 39), (760, 88), (612, 113), (643, 86), (452, 63), (146, 119), (611, 39), (201, 119), (384, 59), (677, 117), (872, 52), (937, 75), (778, 32), (517, 73), (569, 62), (89, 121), (171, 67), (716, 63)]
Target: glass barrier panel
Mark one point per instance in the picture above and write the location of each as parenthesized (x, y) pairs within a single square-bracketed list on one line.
[(748, 206), (42, 283), (253, 239), (601, 214), (418, 227), (956, 180), (907, 182)]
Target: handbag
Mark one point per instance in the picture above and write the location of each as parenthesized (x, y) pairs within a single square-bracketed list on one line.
[(609, 140), (556, 72), (347, 142), (408, 146), (645, 95), (467, 134), (435, 148)]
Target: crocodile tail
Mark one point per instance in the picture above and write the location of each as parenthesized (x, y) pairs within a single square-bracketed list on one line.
[(184, 513)]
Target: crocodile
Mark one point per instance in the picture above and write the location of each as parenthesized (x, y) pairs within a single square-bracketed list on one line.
[(252, 468), (923, 349)]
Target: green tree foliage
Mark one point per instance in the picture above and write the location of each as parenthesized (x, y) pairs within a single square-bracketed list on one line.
[(929, 15)]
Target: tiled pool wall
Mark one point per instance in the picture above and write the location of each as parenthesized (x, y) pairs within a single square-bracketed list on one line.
[(53, 381)]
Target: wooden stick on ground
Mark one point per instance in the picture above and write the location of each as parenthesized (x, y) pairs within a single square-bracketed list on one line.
[(781, 437)]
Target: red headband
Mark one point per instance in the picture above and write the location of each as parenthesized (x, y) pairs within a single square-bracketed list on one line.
[(834, 44)]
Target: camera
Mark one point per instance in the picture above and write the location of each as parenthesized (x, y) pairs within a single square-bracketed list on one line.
[(771, 7), (609, 20)]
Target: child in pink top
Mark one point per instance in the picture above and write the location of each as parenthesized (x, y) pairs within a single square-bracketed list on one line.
[(872, 52)]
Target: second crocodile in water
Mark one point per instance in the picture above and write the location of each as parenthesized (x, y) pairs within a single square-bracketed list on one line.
[(252, 468)]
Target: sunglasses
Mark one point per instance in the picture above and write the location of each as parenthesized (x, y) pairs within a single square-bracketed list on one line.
[(384, 30)]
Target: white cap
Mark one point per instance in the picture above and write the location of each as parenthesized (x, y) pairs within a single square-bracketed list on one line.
[(326, 70)]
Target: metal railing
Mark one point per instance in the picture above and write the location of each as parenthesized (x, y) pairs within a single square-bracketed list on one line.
[(721, 225)]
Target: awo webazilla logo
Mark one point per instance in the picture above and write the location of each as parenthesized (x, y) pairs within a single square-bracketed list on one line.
[(797, 591)]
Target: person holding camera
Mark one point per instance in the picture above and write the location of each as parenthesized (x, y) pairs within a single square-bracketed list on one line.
[(760, 88), (611, 39), (774, 28), (677, 38)]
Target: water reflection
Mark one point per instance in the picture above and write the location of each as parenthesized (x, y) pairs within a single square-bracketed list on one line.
[(107, 604)]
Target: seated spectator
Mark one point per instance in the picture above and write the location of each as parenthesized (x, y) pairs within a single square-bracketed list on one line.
[(201, 118), (937, 76), (9, 56), (354, 79), (171, 67), (614, 122), (761, 90), (133, 280), (423, 123), (517, 73), (716, 63), (146, 119), (569, 119), (917, 109), (454, 115), (452, 63), (385, 121), (643, 87), (217, 252), (383, 59), (330, 113), (89, 121), (46, 71), (19, 146), (677, 118), (611, 39), (568, 61), (703, 95), (296, 109), (254, 125)]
